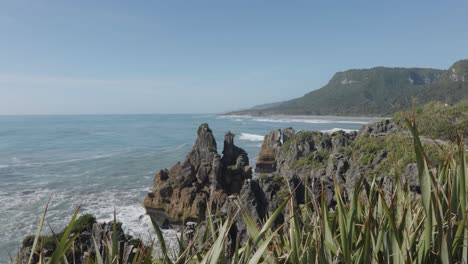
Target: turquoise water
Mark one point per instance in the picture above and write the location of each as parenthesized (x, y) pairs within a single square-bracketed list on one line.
[(107, 162)]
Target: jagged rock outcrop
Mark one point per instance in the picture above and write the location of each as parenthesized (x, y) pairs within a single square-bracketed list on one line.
[(204, 178), (235, 165), (266, 161), (233, 155), (253, 201)]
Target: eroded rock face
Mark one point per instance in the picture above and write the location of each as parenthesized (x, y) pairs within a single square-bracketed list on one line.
[(204, 178)]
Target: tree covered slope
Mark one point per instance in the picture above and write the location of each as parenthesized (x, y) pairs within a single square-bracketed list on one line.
[(379, 91)]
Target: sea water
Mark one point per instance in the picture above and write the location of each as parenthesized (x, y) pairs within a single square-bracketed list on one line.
[(106, 163)]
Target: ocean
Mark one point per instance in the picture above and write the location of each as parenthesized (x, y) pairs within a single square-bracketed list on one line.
[(107, 162)]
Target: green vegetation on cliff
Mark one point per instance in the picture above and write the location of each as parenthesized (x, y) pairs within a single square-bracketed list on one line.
[(440, 121), (379, 91)]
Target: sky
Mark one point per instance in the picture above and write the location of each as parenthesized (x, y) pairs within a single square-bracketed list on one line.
[(200, 56)]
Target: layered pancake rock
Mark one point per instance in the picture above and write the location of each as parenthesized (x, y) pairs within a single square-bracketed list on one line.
[(203, 179), (266, 162), (269, 151)]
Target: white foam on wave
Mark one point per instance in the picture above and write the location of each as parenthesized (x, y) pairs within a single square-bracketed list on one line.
[(338, 129), (181, 146), (172, 148), (130, 213), (251, 137), (137, 223), (20, 213), (55, 162), (134, 220), (18, 219), (94, 157)]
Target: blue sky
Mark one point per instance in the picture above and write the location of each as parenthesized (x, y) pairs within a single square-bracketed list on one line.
[(108, 57)]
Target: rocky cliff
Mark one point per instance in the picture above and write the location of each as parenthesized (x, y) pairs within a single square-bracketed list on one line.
[(305, 162)]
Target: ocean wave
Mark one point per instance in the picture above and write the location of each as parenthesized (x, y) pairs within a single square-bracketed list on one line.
[(338, 129), (293, 119), (37, 164), (181, 146), (95, 157), (233, 117), (172, 148), (251, 137)]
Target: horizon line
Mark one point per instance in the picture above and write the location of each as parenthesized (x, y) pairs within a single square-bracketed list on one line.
[(107, 114)]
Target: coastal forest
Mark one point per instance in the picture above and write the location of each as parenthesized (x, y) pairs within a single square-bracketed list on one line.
[(379, 91)]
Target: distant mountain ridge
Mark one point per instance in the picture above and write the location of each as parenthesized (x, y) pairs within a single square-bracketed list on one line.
[(379, 91)]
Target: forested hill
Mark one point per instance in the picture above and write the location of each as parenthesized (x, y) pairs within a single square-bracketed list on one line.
[(379, 91)]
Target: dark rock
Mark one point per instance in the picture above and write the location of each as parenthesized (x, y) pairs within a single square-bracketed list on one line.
[(288, 133), (233, 155), (410, 177), (257, 198), (236, 165), (253, 199)]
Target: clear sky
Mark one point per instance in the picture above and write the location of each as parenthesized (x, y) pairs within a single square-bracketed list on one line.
[(197, 56)]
